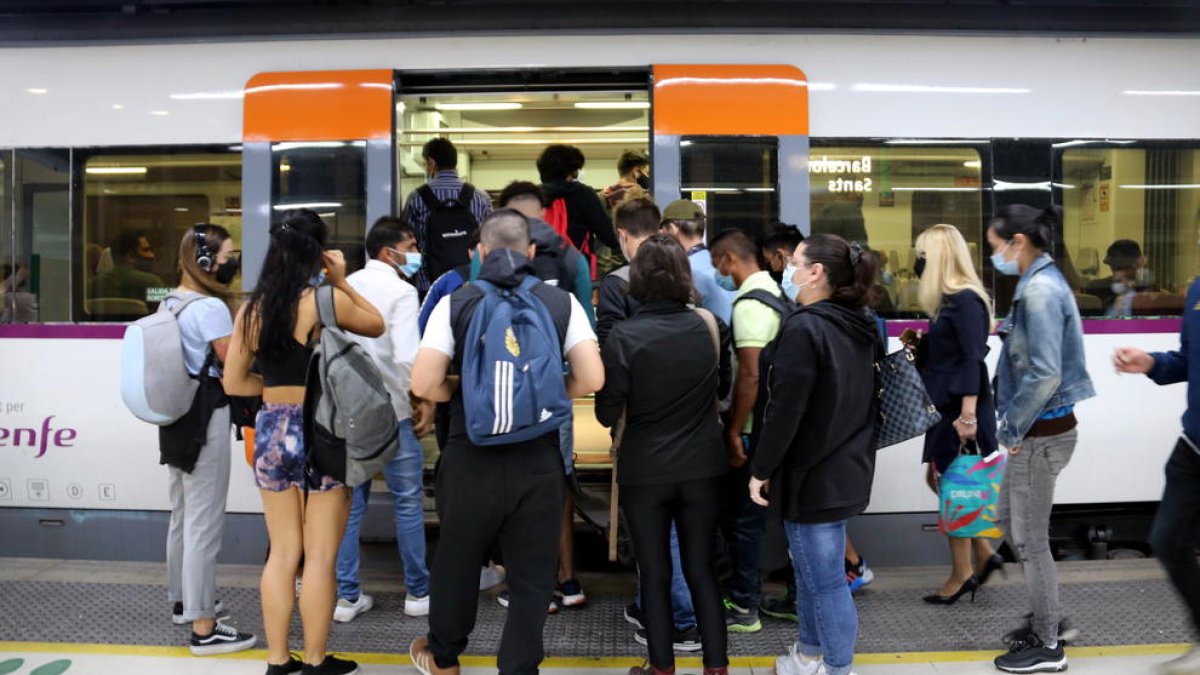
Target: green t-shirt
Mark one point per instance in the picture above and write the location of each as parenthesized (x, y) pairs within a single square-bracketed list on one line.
[(754, 323)]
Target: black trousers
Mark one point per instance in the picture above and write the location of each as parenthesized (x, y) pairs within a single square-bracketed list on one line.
[(515, 494), (695, 507), (1173, 534)]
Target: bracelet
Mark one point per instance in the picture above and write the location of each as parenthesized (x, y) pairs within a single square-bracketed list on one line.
[(969, 422)]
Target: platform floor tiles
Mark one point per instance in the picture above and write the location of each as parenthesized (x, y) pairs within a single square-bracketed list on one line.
[(98, 618)]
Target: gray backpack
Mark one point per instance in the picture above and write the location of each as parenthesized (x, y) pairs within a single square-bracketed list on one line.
[(351, 431), (155, 384)]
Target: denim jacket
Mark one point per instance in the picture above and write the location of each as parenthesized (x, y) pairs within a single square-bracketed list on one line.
[(1042, 362)]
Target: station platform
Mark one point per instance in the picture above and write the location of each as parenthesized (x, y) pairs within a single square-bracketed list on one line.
[(97, 618)]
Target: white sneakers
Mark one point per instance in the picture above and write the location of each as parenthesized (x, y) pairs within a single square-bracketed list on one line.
[(795, 663), (345, 611), (491, 576), (416, 606), (1188, 664)]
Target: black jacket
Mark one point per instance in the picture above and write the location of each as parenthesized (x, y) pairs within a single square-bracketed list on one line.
[(660, 367), (815, 439), (586, 216), (614, 304)]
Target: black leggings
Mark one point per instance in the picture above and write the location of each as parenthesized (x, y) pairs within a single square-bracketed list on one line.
[(695, 507)]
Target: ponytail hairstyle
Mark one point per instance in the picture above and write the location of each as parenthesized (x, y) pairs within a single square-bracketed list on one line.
[(293, 257), (1042, 228), (848, 270), (214, 237)]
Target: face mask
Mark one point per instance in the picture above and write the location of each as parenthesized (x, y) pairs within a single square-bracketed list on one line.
[(317, 279), (1119, 288), (790, 288), (644, 182), (1003, 266), (227, 270), (919, 267), (143, 264), (724, 281), (412, 262), (887, 278)]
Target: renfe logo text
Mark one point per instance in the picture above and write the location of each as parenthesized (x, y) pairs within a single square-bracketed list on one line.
[(22, 437)]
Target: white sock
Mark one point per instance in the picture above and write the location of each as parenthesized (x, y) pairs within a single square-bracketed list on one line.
[(1052, 645)]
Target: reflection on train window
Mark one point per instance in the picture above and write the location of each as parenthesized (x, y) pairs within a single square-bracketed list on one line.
[(735, 181), (883, 197), (8, 264), (1130, 225), (36, 269), (137, 208), (500, 135), (330, 179)]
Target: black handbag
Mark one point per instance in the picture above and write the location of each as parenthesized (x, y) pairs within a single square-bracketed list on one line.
[(905, 409)]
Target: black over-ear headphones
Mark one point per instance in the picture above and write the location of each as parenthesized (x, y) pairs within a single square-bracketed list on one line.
[(204, 257)]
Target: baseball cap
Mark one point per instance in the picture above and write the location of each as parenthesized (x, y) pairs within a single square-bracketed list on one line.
[(682, 209)]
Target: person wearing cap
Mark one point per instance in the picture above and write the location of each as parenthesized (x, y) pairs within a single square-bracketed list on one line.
[(1124, 257), (684, 220)]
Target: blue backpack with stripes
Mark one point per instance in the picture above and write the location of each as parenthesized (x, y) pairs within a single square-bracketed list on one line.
[(512, 370)]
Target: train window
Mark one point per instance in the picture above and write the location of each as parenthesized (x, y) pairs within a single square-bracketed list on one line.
[(1130, 226), (330, 179), (884, 196), (36, 269), (735, 181), (137, 206)]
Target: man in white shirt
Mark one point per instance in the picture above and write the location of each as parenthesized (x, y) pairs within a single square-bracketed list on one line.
[(514, 491), (392, 258)]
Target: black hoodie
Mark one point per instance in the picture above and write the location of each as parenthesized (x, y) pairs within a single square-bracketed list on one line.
[(586, 215), (815, 439)]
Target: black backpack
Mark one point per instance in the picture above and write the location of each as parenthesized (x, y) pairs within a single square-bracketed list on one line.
[(448, 230), (552, 264), (766, 358)]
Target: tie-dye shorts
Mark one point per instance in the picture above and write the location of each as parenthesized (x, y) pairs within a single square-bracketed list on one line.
[(279, 459)]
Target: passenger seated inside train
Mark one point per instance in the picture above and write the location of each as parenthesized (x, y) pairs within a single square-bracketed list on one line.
[(123, 290), (1124, 257)]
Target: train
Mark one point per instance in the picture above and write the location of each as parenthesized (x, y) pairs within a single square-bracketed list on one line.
[(108, 153)]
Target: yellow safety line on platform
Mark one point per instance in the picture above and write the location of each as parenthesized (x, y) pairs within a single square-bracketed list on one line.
[(584, 662)]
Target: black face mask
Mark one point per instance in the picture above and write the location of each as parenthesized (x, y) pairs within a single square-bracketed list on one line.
[(644, 182), (227, 270), (143, 264), (919, 267)]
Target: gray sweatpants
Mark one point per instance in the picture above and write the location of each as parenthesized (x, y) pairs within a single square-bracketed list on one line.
[(1025, 504), (198, 522)]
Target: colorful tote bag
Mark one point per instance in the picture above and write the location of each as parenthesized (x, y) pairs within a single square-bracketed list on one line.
[(969, 493)]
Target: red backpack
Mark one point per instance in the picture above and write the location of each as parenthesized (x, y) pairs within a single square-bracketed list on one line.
[(555, 215)]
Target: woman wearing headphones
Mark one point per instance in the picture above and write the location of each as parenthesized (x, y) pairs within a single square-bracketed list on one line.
[(196, 448)]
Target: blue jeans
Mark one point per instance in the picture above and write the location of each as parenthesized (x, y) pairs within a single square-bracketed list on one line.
[(681, 598), (404, 476), (744, 526), (828, 617)]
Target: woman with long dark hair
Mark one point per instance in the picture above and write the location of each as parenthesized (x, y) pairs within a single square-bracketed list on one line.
[(1040, 378), (663, 376), (814, 449), (305, 514), (196, 448)]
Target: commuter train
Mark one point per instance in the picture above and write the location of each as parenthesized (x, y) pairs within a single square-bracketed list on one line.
[(109, 153)]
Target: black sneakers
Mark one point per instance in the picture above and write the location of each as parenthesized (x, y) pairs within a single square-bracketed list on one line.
[(1031, 656), (331, 666), (293, 665), (633, 614), (223, 640), (687, 640)]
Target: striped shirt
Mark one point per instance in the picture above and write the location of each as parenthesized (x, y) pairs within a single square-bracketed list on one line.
[(445, 185)]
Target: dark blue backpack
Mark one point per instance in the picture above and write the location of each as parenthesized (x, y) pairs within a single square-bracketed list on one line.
[(512, 370)]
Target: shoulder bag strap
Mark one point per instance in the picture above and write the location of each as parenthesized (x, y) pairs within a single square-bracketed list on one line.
[(430, 199), (713, 332), (326, 314)]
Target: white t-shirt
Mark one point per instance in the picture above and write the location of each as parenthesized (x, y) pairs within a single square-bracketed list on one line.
[(394, 351), (200, 323), (439, 335)]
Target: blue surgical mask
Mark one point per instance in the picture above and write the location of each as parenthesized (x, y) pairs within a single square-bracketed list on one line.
[(1004, 266), (317, 279), (412, 263), (724, 281), (887, 278), (789, 286)]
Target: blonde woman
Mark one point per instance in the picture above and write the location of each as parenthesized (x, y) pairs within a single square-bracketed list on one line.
[(951, 360)]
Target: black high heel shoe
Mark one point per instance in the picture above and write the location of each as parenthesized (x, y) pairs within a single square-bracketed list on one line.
[(994, 563), (969, 586)]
